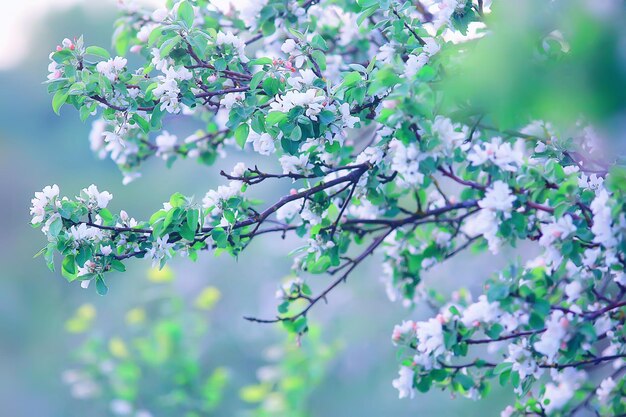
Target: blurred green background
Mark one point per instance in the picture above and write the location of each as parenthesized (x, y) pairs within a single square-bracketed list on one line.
[(38, 148)]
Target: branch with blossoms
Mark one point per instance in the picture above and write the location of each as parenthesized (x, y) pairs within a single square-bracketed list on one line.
[(375, 161)]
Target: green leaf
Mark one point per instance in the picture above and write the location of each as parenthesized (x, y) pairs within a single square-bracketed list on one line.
[(271, 86), (55, 227), (192, 219), (106, 215), (501, 367), (256, 79), (98, 51), (319, 42), (178, 200), (275, 117), (260, 61), (68, 268), (367, 3), (185, 13), (59, 99), (168, 45), (352, 78), (101, 286), (321, 265), (143, 123), (220, 237), (296, 134), (241, 134), (118, 265), (320, 58), (465, 381)]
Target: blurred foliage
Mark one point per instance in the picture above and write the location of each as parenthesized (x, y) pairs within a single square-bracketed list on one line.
[(550, 60), (157, 365), (297, 368)]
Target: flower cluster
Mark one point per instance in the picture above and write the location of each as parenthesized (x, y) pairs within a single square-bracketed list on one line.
[(350, 100)]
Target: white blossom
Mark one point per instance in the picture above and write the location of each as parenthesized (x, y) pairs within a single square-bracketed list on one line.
[(95, 198), (550, 341), (485, 223), (347, 118), (239, 45), (288, 211), (405, 160), (166, 144), (503, 155), (558, 229), (306, 78), (604, 390), (41, 201), (230, 99), (168, 89), (404, 382), (121, 407), (602, 220), (498, 198), (290, 47), (415, 62), (295, 164), (112, 67), (481, 311), (83, 233), (309, 100), (262, 143), (214, 199), (430, 337), (160, 250)]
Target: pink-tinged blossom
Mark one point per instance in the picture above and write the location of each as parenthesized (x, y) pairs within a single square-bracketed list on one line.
[(557, 230), (230, 99), (407, 328)]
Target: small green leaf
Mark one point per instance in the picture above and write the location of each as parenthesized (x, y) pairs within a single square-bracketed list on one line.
[(321, 265), (275, 117), (59, 99), (118, 265), (185, 13), (68, 268), (101, 286), (241, 134), (55, 227), (296, 134), (256, 79), (98, 51)]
